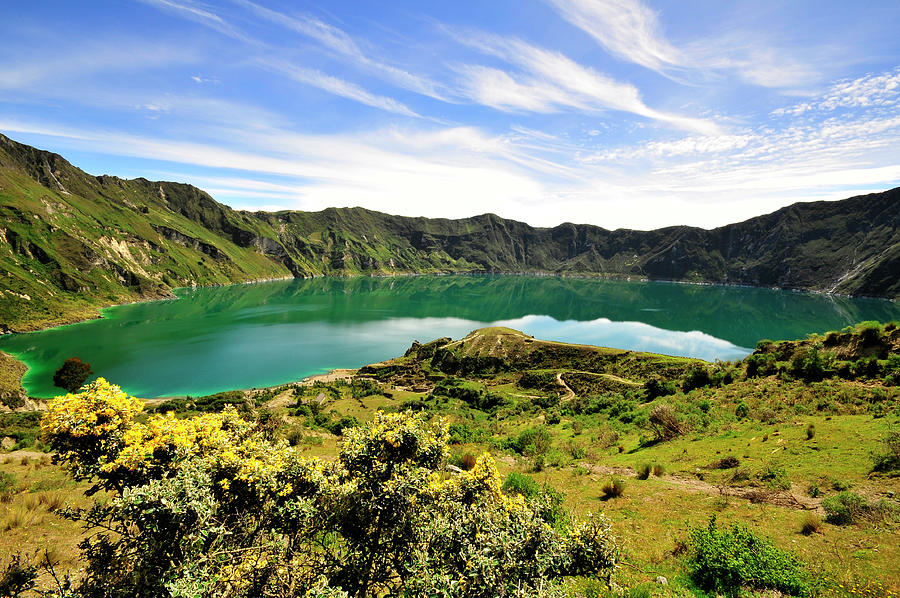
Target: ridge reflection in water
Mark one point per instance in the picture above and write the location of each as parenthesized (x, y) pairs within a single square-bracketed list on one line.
[(243, 336)]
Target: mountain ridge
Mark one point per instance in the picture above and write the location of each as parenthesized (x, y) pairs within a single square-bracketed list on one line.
[(71, 242)]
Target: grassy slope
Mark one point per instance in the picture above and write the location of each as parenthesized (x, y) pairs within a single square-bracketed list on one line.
[(99, 241), (849, 419), (602, 433)]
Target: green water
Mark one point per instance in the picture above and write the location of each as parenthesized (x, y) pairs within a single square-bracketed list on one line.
[(245, 336)]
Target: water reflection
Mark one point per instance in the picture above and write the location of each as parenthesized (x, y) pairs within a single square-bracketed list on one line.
[(241, 336)]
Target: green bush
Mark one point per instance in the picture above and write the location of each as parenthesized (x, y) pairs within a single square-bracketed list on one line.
[(869, 332), (809, 364), (8, 485), (889, 460), (521, 483), (742, 410), (538, 380), (847, 508), (655, 388), (531, 442), (696, 377), (726, 561), (775, 477), (760, 364), (463, 434), (363, 387), (614, 488), (337, 428)]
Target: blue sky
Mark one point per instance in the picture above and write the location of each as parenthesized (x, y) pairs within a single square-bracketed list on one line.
[(620, 113)]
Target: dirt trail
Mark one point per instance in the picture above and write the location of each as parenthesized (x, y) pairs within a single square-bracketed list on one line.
[(570, 394), (782, 498)]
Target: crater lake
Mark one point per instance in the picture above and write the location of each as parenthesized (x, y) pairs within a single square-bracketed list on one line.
[(256, 335)]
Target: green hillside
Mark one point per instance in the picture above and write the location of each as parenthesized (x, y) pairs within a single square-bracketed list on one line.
[(71, 242)]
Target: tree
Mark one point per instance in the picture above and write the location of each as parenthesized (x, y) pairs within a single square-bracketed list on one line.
[(211, 506), (72, 374)]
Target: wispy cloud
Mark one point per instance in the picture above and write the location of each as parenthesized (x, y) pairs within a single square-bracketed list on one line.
[(339, 42), (336, 86), (629, 30), (331, 36), (548, 81), (626, 28), (43, 71), (200, 14)]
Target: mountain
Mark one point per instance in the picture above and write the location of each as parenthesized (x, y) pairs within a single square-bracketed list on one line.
[(71, 242)]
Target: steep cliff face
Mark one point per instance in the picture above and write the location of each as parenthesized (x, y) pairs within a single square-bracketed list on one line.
[(70, 242)]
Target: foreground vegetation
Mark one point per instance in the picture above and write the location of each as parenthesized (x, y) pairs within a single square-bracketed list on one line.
[(795, 452)]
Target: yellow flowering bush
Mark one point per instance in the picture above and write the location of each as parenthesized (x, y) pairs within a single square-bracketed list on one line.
[(212, 506), (86, 429)]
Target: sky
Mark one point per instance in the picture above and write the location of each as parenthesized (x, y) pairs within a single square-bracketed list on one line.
[(619, 113)]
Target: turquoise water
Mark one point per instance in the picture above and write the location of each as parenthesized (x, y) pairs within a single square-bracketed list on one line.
[(244, 336)]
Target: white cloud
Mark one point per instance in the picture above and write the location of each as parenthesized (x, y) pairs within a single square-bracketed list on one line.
[(882, 90), (552, 81), (44, 72), (626, 28), (631, 31), (342, 44), (337, 86), (200, 14)]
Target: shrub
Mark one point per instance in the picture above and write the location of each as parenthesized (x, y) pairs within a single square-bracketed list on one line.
[(17, 576), (865, 367), (338, 427), (522, 484), (846, 508), (775, 478), (869, 332), (648, 469), (614, 488), (760, 364), (462, 434), (839, 484), (810, 432), (643, 472), (364, 387), (538, 380), (728, 462), (765, 344), (665, 423), (8, 485), (808, 364), (742, 410), (655, 388), (531, 442), (728, 560), (212, 506), (889, 460), (811, 524), (696, 377), (72, 374)]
